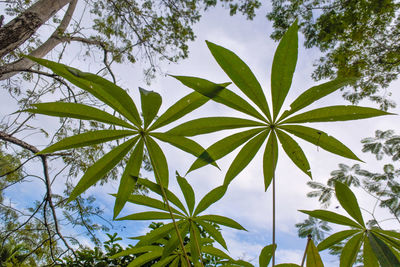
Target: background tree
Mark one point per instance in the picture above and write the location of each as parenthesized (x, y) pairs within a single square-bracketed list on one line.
[(383, 187), (357, 38)]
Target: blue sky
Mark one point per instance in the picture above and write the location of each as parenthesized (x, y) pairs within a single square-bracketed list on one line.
[(245, 200)]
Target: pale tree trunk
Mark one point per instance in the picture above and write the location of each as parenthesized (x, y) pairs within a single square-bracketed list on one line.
[(17, 31)]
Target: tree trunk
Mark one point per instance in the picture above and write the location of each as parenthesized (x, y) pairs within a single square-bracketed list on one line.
[(21, 28)]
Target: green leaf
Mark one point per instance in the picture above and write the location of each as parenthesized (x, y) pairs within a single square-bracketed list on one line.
[(210, 198), (157, 234), (150, 202), (175, 263), (151, 102), (313, 257), (336, 113), (335, 238), (165, 261), (241, 75), (104, 90), (187, 191), (294, 151), (215, 252), (157, 189), (182, 107), (213, 232), (270, 159), (158, 161), (266, 255), (101, 168), (321, 139), (390, 233), (222, 221), (136, 250), (283, 67), (315, 93), (348, 201), (223, 147), (287, 265), (194, 243), (332, 217), (173, 242), (145, 258), (220, 94), (350, 250), (369, 258), (210, 125), (129, 178), (245, 155), (383, 253), (87, 139), (77, 111), (149, 215), (186, 145)]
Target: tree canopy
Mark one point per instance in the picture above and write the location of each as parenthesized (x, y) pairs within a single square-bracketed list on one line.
[(357, 38)]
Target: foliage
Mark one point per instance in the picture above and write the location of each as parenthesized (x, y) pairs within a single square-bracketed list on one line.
[(357, 38), (137, 134)]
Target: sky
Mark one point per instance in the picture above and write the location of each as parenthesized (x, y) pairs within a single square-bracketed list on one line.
[(245, 200)]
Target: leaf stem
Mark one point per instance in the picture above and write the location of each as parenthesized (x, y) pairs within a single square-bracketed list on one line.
[(305, 251), (273, 217)]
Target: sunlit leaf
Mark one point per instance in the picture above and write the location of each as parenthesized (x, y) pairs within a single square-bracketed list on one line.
[(182, 107), (245, 155), (156, 234), (129, 178), (213, 232), (151, 102), (188, 192), (332, 217), (294, 151), (99, 169), (223, 147), (350, 250), (283, 67), (225, 96), (336, 113), (158, 161), (313, 257), (222, 221), (151, 202), (320, 139), (210, 198), (210, 125), (335, 239), (348, 201), (149, 215), (315, 93), (241, 75), (104, 90), (270, 159), (266, 255), (77, 111)]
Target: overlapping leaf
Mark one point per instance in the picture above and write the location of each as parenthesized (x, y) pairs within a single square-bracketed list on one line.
[(119, 101), (283, 67)]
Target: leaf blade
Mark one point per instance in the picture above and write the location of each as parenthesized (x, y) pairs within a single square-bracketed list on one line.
[(348, 201), (151, 102), (210, 198), (350, 250), (270, 159), (332, 217)]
